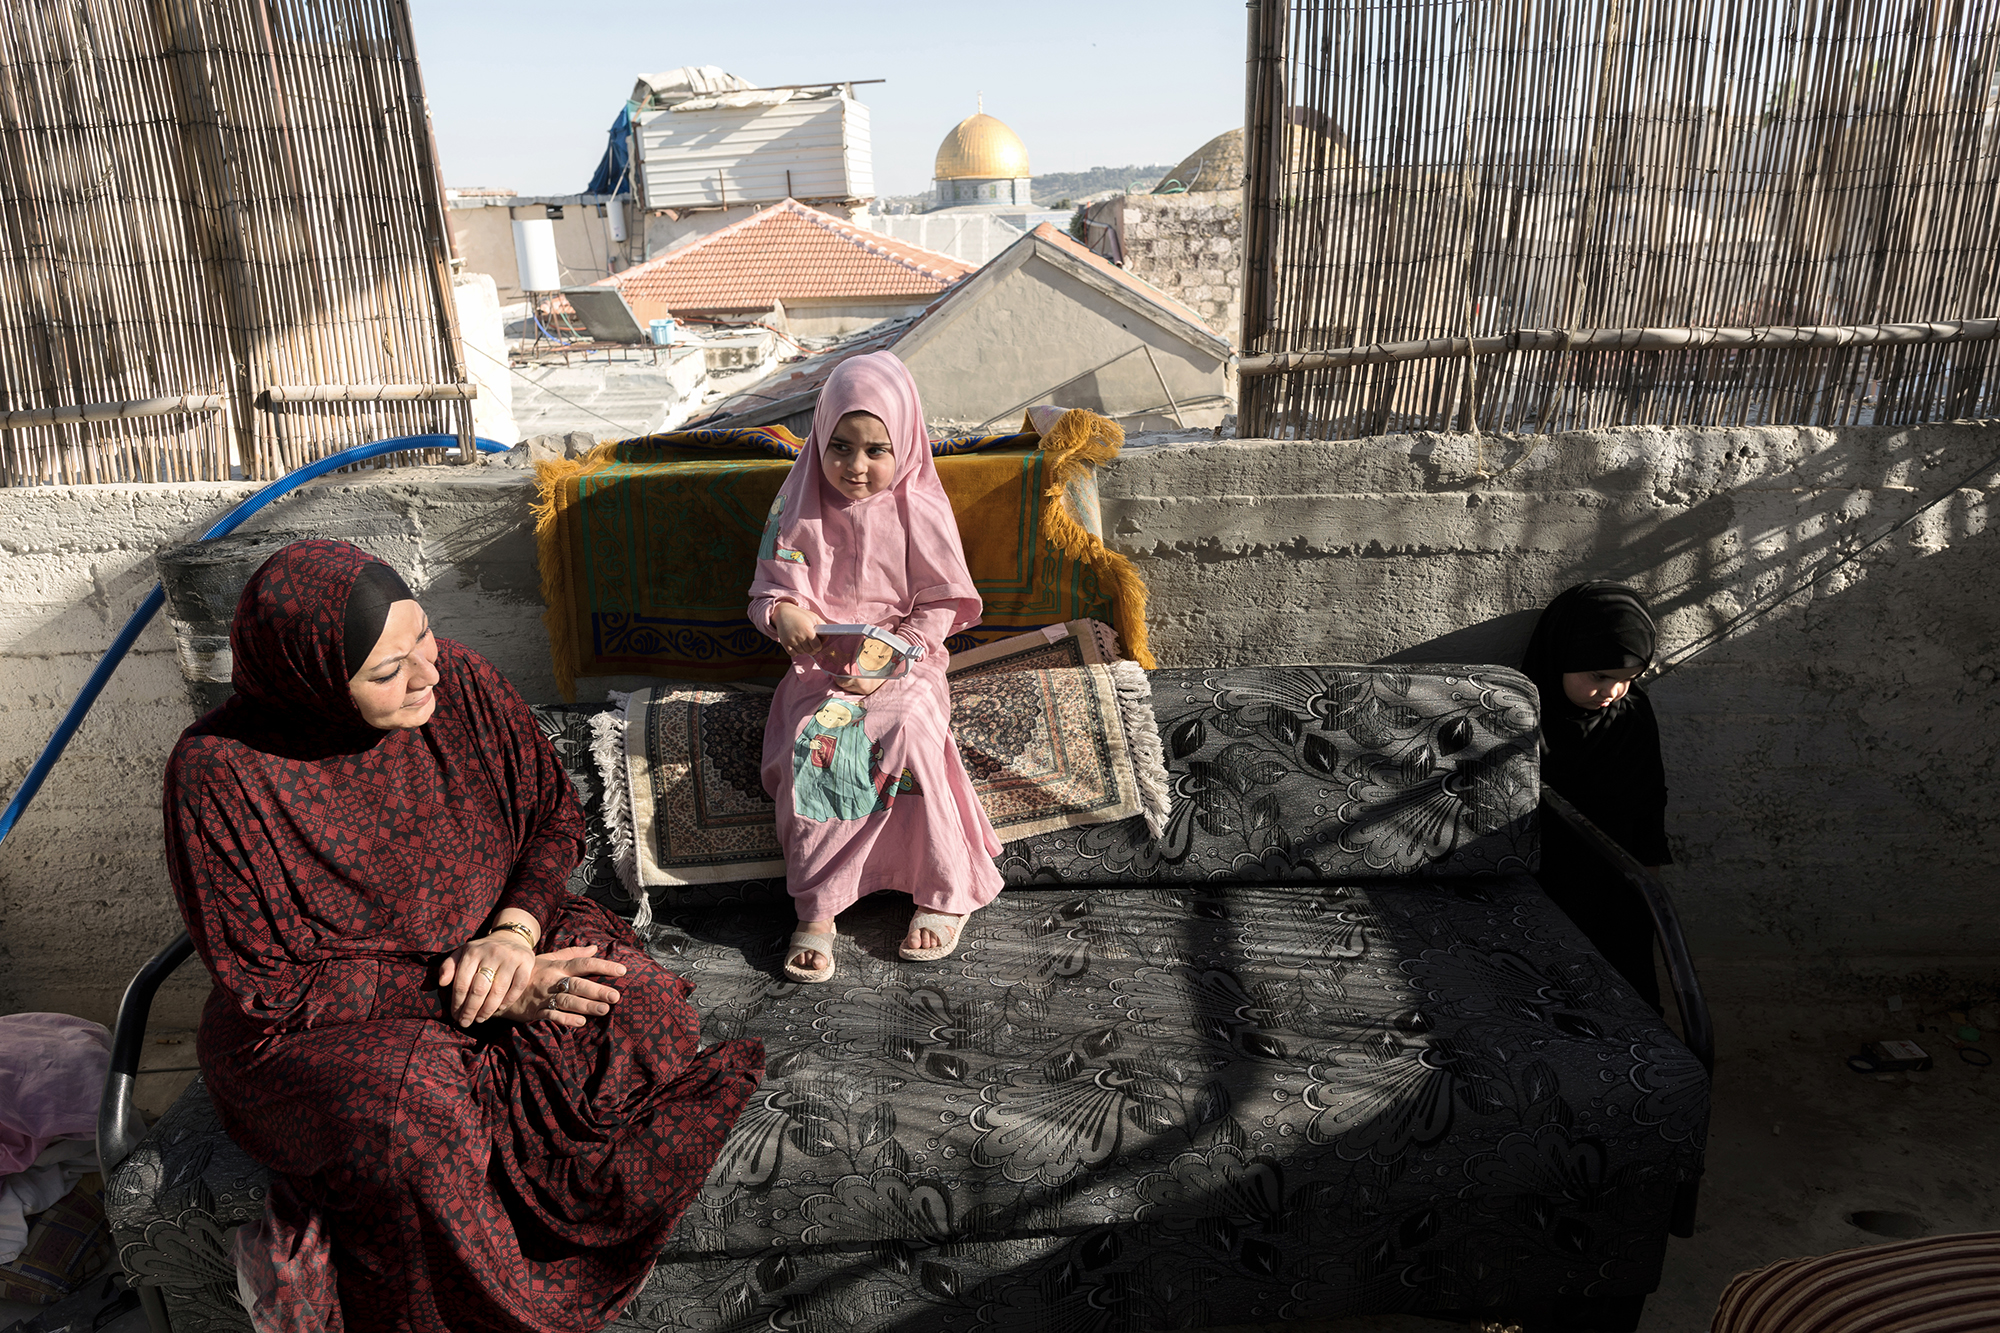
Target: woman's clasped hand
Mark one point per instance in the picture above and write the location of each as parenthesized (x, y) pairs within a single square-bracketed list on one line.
[(524, 986)]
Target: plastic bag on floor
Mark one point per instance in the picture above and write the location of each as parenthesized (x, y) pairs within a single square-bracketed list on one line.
[(284, 1267)]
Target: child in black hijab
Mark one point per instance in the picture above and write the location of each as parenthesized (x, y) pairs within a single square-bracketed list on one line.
[(1601, 750)]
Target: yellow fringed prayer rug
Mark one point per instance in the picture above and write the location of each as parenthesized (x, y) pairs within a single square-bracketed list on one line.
[(646, 546)]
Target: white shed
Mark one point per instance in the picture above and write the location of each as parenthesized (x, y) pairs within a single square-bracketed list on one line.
[(756, 147)]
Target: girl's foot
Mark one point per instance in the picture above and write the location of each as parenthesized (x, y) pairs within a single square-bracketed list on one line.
[(933, 935), (811, 956)]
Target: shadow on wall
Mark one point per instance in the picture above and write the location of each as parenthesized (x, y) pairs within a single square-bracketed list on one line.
[(1763, 533), (1835, 758), (1501, 638)]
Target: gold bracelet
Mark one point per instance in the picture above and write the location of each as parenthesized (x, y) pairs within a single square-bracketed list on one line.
[(518, 929)]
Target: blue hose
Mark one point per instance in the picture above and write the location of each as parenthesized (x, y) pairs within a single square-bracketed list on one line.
[(155, 599)]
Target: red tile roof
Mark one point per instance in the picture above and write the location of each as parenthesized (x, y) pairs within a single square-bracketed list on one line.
[(786, 252), (793, 387)]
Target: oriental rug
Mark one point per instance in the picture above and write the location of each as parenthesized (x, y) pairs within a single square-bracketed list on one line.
[(1053, 731), (646, 546)]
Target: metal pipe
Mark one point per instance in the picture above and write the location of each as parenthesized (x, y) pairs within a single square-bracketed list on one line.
[(1178, 419), (119, 1126), (1623, 340), (278, 394), (1037, 396), (137, 407)]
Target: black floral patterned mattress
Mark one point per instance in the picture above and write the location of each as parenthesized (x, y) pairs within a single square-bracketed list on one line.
[(1318, 1098), (1327, 1050), (1278, 773)]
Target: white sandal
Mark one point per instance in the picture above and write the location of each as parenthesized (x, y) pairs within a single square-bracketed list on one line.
[(943, 924), (821, 944)]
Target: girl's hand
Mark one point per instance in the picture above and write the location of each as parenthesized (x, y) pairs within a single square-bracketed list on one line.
[(862, 685), (797, 633), (486, 974), (559, 990)]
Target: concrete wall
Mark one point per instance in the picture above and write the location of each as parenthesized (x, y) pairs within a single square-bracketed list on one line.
[(83, 891), (970, 238), (482, 232), (837, 319), (1833, 766)]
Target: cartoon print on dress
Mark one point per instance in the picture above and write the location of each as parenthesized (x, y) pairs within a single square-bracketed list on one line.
[(836, 767), (873, 655), (767, 547)]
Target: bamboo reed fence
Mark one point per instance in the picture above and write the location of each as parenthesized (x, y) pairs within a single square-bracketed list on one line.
[(222, 239), (1532, 215)]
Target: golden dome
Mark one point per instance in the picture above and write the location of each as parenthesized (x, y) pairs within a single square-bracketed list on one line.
[(981, 148)]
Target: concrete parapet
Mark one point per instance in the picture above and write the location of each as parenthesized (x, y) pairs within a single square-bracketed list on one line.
[(1835, 789)]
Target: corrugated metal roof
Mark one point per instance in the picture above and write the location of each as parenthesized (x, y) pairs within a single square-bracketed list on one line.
[(800, 147), (787, 252)]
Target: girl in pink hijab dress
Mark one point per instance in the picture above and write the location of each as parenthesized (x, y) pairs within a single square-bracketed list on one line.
[(870, 791)]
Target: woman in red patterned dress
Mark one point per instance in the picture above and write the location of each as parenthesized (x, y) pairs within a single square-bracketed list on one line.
[(475, 1091)]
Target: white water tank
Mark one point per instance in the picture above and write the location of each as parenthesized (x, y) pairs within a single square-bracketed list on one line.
[(535, 255), (614, 220)]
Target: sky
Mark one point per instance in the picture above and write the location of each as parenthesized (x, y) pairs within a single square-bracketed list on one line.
[(521, 94)]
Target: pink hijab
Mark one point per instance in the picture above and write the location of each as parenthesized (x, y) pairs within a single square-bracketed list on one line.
[(871, 561)]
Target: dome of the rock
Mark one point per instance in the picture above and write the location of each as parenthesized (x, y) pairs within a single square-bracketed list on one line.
[(981, 148)]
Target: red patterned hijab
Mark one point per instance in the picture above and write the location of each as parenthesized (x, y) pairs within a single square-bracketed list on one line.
[(288, 640)]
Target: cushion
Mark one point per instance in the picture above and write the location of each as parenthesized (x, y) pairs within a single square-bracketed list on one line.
[(1934, 1284), (1350, 773), (67, 1242)]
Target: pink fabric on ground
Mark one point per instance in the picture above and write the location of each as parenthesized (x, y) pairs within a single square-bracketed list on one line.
[(52, 1069), (898, 811)]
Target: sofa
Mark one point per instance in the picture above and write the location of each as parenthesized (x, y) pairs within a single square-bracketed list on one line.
[(1324, 1047)]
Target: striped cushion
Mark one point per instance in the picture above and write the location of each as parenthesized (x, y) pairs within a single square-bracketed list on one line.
[(1941, 1284)]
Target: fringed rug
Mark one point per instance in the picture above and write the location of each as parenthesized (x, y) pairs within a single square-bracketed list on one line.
[(646, 546), (1054, 731)]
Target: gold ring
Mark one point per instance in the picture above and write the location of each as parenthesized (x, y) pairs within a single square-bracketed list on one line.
[(486, 972)]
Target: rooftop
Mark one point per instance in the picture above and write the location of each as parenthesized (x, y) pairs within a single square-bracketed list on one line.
[(787, 252), (793, 387)]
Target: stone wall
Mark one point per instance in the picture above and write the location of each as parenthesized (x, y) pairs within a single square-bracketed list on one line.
[(1833, 764), (1190, 246)]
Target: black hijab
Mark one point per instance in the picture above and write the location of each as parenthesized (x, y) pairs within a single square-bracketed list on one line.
[(1591, 627)]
